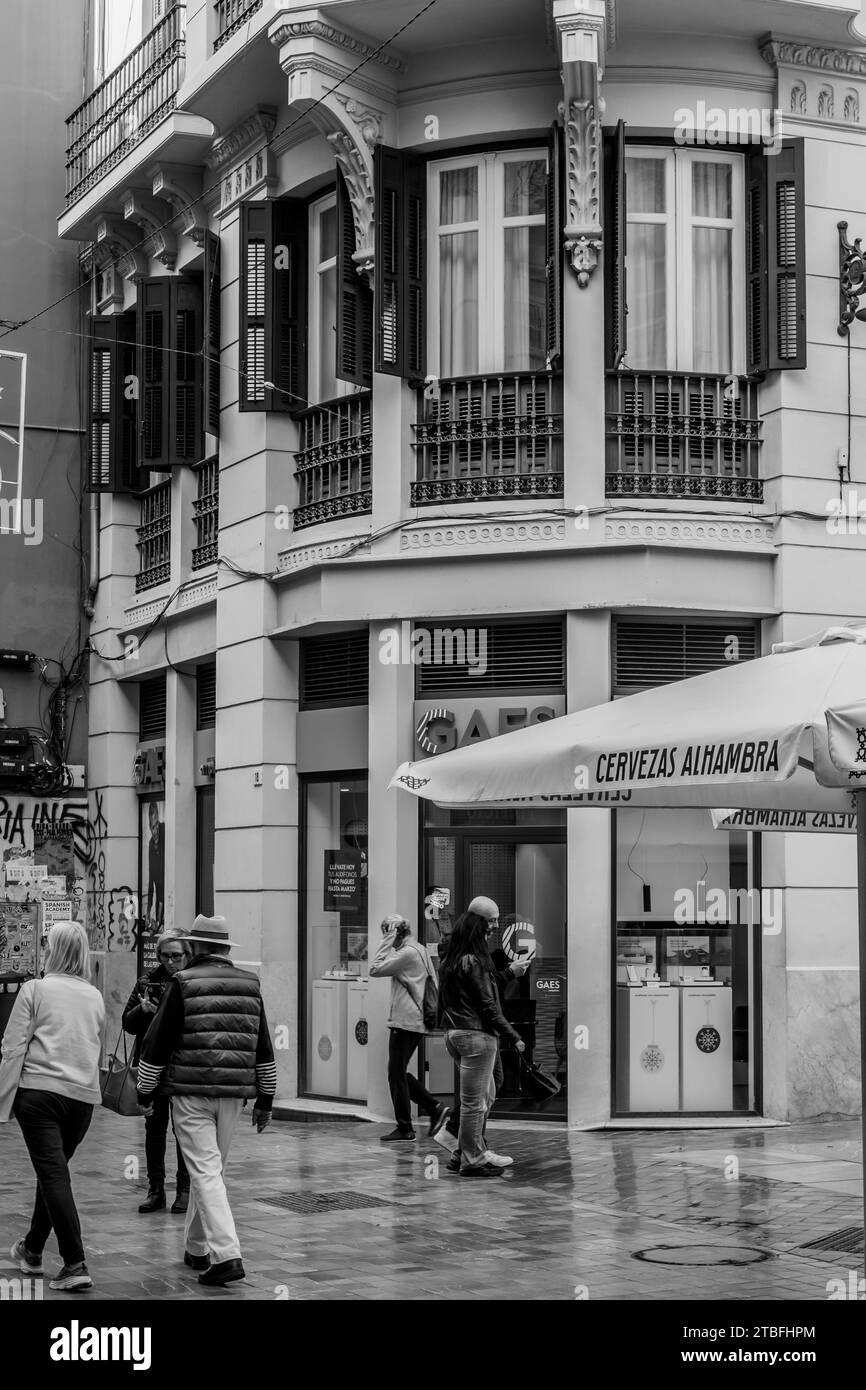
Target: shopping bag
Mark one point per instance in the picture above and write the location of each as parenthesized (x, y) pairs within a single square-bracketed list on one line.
[(539, 1084), (119, 1087)]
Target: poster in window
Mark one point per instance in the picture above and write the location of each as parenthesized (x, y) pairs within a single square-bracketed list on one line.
[(151, 877), (343, 879)]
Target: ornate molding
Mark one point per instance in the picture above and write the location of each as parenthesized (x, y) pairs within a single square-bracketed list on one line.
[(793, 53), (455, 534), (179, 188), (122, 246), (257, 125), (580, 113), (288, 561), (826, 85), (584, 34), (690, 530), (153, 217), (340, 38)]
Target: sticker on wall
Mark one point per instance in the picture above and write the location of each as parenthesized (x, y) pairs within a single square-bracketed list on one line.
[(325, 1048), (652, 1058), (361, 1032)]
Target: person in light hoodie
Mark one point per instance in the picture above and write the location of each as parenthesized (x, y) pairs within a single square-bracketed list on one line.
[(49, 1081)]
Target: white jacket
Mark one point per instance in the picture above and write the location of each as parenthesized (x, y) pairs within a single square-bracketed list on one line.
[(408, 967), (53, 1040)]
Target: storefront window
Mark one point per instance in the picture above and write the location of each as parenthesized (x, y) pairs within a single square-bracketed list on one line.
[(518, 858), (334, 906), (687, 915)]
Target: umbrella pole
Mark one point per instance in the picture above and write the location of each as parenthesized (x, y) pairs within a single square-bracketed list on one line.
[(860, 798)]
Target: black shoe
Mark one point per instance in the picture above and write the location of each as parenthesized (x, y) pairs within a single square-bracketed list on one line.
[(155, 1200), (397, 1136), (481, 1170), (196, 1261), (437, 1120), (181, 1199), (223, 1273)]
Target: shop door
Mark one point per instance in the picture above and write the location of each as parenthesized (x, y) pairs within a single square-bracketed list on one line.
[(527, 879)]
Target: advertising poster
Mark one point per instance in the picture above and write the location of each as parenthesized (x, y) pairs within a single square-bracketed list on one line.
[(151, 905)]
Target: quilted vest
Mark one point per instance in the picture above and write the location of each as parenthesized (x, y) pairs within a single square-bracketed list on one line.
[(216, 1055)]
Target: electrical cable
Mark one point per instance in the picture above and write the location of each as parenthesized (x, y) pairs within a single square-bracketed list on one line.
[(277, 134)]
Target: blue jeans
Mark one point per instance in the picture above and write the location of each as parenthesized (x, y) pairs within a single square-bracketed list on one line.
[(475, 1054)]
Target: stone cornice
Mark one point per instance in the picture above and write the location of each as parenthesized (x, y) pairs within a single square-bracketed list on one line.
[(257, 125), (340, 38), (690, 530), (802, 54)]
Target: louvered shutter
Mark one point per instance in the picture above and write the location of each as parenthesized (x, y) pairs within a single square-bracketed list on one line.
[(756, 261), (615, 332), (786, 271), (520, 658), (186, 437), (553, 248), (154, 327), (102, 404), (354, 301), (253, 284), (400, 309), (414, 315), (287, 348), (335, 669), (152, 708), (212, 333), (647, 654)]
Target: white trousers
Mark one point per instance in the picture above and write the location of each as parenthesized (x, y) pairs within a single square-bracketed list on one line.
[(205, 1126)]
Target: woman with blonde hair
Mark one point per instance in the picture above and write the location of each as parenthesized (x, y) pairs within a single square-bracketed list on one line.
[(49, 1080)]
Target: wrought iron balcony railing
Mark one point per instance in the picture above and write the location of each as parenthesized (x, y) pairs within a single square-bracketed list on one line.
[(231, 16), (126, 107), (154, 537), (488, 437), (206, 509), (682, 435), (334, 465)]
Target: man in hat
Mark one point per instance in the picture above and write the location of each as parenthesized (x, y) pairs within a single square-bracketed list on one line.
[(209, 1048)]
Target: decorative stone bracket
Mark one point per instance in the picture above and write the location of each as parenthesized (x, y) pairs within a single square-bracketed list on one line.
[(582, 27), (152, 217), (314, 55), (179, 188), (123, 245), (852, 280)]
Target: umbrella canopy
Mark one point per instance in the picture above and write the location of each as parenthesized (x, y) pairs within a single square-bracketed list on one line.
[(751, 735)]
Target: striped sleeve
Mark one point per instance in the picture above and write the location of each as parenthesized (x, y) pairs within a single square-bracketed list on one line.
[(266, 1067), (148, 1077)]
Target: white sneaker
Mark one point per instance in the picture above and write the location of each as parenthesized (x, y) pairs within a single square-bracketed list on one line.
[(498, 1160)]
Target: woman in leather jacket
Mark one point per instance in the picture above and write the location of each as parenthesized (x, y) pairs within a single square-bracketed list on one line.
[(473, 1019)]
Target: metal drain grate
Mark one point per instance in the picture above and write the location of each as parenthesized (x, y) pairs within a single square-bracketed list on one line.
[(309, 1203), (848, 1241)]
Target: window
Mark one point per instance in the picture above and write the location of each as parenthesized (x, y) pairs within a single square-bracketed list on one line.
[(324, 384), (685, 260), (486, 232)]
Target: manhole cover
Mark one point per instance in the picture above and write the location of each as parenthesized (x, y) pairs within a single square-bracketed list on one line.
[(308, 1203), (703, 1255), (848, 1241)]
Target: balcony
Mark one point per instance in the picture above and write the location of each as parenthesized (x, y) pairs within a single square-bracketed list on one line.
[(154, 537), (486, 438), (126, 107), (206, 513), (334, 465), (678, 435), (231, 16)]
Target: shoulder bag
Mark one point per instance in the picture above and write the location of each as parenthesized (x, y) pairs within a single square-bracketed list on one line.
[(429, 1005), (539, 1084), (119, 1087)]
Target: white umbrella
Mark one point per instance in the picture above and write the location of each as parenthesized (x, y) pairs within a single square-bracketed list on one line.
[(785, 732)]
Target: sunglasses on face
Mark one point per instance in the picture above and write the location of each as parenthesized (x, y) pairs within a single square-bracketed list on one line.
[(173, 955)]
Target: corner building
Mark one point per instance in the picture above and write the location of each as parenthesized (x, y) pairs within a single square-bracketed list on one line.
[(517, 321)]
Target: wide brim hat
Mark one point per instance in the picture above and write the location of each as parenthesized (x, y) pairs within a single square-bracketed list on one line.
[(211, 931)]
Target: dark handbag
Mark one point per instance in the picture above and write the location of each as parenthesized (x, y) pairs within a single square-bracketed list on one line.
[(539, 1084), (119, 1087), (429, 1006)]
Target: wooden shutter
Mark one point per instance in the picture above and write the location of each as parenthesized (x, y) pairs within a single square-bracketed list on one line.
[(786, 268), (154, 321), (354, 301), (756, 261), (401, 234), (185, 361), (212, 333), (112, 399), (287, 346), (615, 334), (553, 248), (253, 282)]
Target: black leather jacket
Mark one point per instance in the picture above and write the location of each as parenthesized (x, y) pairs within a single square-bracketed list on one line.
[(134, 1019), (469, 998)]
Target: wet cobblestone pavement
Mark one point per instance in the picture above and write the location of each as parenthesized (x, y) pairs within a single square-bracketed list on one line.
[(325, 1212)]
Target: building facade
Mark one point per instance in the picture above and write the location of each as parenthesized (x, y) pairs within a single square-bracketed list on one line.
[(46, 861), (452, 370)]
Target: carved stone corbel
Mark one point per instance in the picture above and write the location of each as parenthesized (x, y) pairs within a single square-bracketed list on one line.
[(354, 130), (581, 118), (153, 217), (123, 246), (178, 189)]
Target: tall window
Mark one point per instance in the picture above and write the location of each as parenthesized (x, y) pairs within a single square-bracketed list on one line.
[(685, 260), (487, 263), (324, 385)]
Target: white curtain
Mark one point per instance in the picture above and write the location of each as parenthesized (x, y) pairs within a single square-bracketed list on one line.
[(647, 296), (458, 274), (524, 299), (711, 269)]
